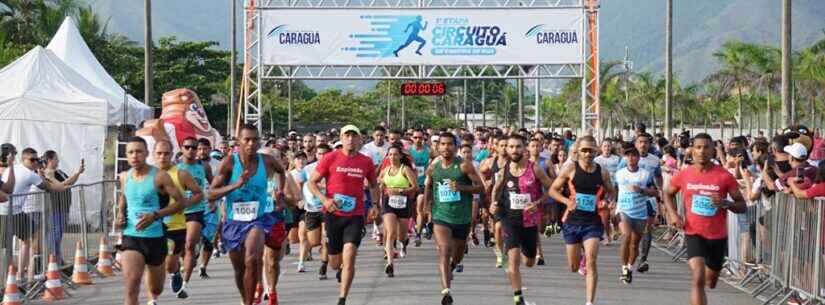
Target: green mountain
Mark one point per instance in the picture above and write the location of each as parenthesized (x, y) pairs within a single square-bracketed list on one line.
[(700, 27)]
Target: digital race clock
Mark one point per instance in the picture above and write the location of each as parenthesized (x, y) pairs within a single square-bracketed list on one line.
[(423, 88)]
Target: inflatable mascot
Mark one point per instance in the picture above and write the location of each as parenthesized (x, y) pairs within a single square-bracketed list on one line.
[(182, 116)]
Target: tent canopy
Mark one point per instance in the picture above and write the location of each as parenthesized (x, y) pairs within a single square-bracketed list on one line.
[(39, 87), (69, 46)]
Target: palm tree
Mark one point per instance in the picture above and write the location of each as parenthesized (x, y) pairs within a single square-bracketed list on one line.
[(810, 71), (734, 58)]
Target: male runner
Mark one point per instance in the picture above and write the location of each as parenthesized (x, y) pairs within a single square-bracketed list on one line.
[(175, 224), (202, 175), (313, 218), (210, 217), (242, 179), (421, 159), (140, 211), (344, 171), (652, 164), (635, 184), (517, 200), (705, 188), (588, 183), (489, 169), (451, 182)]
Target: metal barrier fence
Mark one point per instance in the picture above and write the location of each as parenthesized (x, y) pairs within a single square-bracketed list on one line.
[(36, 225), (776, 250)]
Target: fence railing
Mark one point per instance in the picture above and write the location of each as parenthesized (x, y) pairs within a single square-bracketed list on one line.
[(776, 251), (36, 225)]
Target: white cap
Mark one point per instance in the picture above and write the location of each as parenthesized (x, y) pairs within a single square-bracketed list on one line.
[(337, 144), (797, 150)]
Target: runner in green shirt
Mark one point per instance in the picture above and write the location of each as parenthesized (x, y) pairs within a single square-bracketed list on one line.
[(451, 182)]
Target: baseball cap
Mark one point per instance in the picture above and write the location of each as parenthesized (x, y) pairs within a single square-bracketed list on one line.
[(349, 128), (797, 150), (337, 144)]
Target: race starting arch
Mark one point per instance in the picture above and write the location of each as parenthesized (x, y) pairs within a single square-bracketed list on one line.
[(421, 40)]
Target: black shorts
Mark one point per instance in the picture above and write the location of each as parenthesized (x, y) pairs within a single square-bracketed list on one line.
[(152, 249), (342, 230), (712, 250), (400, 213), (20, 226), (517, 236), (298, 216), (651, 211), (207, 245), (179, 238), (458, 231), (313, 220), (195, 216)]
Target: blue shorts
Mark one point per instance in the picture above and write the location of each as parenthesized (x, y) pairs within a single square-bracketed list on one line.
[(576, 234), (211, 225), (233, 233)]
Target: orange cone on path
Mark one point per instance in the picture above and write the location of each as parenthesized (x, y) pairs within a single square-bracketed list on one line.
[(81, 268), (104, 259), (54, 287), (12, 295)]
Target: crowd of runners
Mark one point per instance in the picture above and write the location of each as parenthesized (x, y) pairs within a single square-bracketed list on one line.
[(256, 198)]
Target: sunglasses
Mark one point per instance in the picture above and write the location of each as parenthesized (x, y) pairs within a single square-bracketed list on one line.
[(190, 146)]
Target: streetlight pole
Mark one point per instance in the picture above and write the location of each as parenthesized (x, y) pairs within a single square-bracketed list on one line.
[(232, 61), (537, 111), (669, 72), (786, 64), (147, 56), (483, 104), (520, 84), (464, 94)]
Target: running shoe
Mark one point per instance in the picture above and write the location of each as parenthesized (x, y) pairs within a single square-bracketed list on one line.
[(583, 267), (418, 241), (301, 268), (447, 299), (203, 274), (487, 242), (499, 261), (626, 278), (459, 268), (182, 293), (273, 299), (176, 282), (389, 270), (475, 239), (403, 252), (540, 261), (548, 231), (259, 292), (152, 302), (322, 272), (338, 276), (643, 267)]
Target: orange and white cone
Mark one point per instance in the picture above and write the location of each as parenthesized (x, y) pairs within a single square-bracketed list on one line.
[(104, 259), (81, 268), (12, 295), (54, 286)]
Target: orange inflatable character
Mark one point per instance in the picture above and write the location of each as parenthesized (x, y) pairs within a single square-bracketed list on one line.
[(182, 109), (154, 131)]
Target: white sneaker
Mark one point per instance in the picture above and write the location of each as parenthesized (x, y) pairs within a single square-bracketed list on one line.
[(301, 268), (402, 253)]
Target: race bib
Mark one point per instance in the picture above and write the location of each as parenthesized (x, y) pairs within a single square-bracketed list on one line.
[(398, 202), (703, 206), (446, 194), (626, 201), (519, 201), (586, 202), (346, 203), (245, 211), (420, 170)]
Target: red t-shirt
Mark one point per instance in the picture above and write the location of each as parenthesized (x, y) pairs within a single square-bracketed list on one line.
[(345, 178), (704, 219), (817, 190)]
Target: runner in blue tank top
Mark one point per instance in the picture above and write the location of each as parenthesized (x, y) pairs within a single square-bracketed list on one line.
[(194, 214), (242, 180), (140, 214), (421, 157)]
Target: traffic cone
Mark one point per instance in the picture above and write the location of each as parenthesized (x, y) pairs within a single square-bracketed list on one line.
[(54, 286), (12, 295), (81, 268), (104, 259)]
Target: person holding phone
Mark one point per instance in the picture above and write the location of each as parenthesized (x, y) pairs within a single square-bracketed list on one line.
[(61, 201)]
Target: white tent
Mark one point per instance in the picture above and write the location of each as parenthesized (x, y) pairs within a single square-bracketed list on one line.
[(69, 46), (46, 105)]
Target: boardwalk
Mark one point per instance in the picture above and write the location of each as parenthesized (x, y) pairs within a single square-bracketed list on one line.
[(416, 282)]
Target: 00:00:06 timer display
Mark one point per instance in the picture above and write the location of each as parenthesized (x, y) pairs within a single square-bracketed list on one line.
[(415, 88)]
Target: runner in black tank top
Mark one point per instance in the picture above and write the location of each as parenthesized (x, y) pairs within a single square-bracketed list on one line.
[(588, 183), (490, 169)]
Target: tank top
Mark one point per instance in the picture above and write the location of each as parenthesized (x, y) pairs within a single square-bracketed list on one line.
[(199, 175), (587, 190), (421, 158), (271, 187), (450, 206), (142, 198), (517, 192), (176, 221), (494, 170), (398, 180), (248, 202)]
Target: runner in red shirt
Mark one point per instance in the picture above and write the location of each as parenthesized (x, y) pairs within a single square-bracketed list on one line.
[(708, 190), (344, 171)]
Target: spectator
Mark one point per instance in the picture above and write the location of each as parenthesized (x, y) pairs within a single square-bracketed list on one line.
[(60, 201)]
